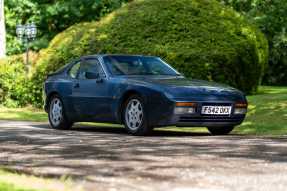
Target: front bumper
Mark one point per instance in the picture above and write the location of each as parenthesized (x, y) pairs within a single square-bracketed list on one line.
[(199, 120)]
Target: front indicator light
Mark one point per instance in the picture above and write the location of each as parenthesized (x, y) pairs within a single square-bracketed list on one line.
[(184, 110), (240, 111), (241, 105), (185, 104)]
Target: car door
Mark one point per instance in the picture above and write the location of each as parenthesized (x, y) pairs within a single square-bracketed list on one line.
[(92, 97), (73, 74)]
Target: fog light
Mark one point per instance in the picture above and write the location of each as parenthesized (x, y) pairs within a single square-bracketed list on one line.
[(240, 111), (184, 110)]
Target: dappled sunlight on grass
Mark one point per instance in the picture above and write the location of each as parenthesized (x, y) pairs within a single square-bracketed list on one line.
[(272, 90), (267, 113), (251, 109), (246, 123)]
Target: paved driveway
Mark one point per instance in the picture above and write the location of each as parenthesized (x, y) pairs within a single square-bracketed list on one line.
[(107, 159)]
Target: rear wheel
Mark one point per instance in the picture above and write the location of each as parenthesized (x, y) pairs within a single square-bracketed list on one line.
[(57, 117), (134, 116), (220, 130)]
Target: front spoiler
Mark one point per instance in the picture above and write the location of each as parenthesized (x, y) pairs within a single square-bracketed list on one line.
[(202, 121)]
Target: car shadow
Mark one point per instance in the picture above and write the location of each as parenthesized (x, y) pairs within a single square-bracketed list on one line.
[(121, 131)]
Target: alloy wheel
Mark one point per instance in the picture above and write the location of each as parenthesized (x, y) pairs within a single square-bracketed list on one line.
[(134, 114), (56, 111)]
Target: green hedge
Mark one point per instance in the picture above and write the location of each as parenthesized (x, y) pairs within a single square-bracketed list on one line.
[(200, 38), (13, 89)]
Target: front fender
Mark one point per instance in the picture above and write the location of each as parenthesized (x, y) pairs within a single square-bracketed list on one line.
[(156, 103)]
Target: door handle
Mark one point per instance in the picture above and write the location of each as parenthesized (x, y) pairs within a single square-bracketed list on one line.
[(77, 85)]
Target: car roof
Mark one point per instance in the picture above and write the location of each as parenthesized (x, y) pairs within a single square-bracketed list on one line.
[(103, 55)]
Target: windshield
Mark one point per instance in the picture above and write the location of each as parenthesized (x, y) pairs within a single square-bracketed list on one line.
[(138, 65)]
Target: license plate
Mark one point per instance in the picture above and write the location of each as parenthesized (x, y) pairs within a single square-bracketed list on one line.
[(216, 110)]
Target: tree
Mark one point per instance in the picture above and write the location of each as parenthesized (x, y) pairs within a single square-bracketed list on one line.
[(2, 31), (271, 17), (51, 17)]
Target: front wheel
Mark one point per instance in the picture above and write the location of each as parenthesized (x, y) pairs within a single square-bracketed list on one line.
[(135, 119), (57, 117), (220, 130)]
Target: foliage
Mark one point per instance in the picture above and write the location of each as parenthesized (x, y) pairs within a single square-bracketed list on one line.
[(202, 39), (271, 17), (14, 84), (51, 17), (16, 12)]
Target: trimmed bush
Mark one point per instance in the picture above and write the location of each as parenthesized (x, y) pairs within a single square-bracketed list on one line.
[(14, 82), (200, 38), (13, 89)]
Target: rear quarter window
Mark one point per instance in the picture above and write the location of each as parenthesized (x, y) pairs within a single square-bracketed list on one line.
[(73, 72)]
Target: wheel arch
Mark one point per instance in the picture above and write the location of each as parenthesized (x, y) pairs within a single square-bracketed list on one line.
[(48, 99), (122, 101)]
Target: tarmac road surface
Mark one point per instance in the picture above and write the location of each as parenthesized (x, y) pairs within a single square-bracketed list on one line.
[(103, 158)]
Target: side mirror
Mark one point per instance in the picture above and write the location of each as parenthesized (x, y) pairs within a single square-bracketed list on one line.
[(92, 75)]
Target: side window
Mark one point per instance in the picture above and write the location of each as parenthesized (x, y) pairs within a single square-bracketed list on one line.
[(91, 65), (74, 70)]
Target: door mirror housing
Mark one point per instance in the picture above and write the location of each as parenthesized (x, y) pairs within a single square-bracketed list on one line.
[(92, 75)]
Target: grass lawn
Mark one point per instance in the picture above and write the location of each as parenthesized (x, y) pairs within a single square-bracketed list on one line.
[(20, 182), (267, 114), (23, 114)]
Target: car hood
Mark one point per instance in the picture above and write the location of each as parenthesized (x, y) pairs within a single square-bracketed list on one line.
[(180, 87)]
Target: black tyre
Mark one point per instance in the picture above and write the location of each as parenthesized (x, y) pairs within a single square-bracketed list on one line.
[(57, 117), (134, 116), (220, 130)]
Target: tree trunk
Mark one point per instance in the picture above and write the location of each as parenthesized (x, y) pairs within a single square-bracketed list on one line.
[(2, 31)]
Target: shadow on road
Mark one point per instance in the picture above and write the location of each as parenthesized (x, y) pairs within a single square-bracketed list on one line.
[(109, 152)]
